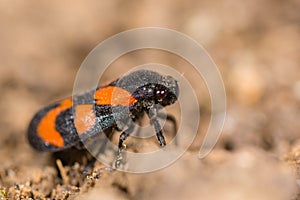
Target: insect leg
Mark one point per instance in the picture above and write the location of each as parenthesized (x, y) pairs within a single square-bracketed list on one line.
[(122, 138), (172, 119), (124, 135), (152, 113)]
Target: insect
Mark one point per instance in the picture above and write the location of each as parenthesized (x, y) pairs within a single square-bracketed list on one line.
[(61, 125)]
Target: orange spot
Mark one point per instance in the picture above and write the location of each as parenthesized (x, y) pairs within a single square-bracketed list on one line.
[(113, 96), (46, 128), (85, 118)]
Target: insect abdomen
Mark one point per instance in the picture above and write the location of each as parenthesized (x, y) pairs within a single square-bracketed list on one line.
[(50, 126)]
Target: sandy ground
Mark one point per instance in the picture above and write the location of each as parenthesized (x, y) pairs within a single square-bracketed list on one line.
[(256, 46)]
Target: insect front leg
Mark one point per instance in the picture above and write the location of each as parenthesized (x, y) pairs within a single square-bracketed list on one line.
[(152, 113), (172, 120), (169, 118)]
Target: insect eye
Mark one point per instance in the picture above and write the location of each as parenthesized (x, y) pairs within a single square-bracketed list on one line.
[(160, 94)]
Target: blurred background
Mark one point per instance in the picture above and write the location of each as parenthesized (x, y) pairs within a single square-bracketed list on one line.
[(256, 46)]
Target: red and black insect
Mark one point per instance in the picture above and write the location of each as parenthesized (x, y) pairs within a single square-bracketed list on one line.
[(64, 124)]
